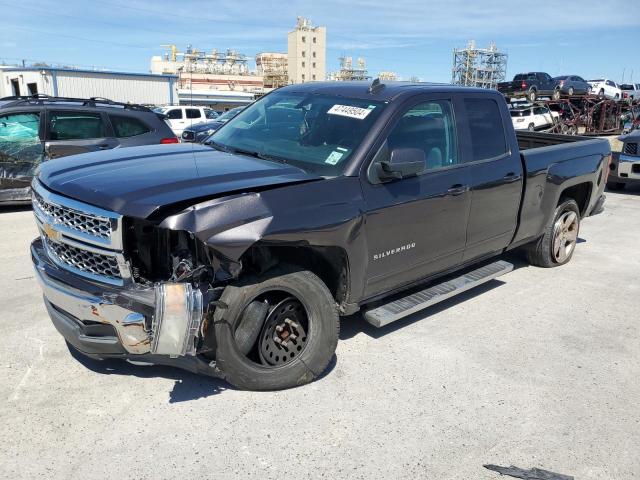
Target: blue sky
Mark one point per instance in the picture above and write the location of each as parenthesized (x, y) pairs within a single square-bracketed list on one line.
[(592, 38)]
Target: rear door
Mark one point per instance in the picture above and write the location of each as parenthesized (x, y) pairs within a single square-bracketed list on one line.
[(416, 226), (496, 175), (175, 119), (69, 132)]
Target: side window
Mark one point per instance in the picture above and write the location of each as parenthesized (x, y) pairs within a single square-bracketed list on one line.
[(124, 127), (175, 114), (75, 126), (20, 147), (430, 127), (193, 113), (485, 128)]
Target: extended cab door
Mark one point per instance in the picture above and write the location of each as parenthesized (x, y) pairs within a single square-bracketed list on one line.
[(416, 226), (496, 174), (69, 132)]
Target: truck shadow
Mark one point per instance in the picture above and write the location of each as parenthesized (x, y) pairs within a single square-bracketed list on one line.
[(354, 324), (628, 190), (15, 208), (188, 386)]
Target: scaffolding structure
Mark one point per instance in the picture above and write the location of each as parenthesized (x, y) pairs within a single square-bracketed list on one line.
[(273, 68), (478, 67), (350, 72), (228, 62)]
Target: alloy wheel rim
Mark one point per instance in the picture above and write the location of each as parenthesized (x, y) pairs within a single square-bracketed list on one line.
[(565, 236)]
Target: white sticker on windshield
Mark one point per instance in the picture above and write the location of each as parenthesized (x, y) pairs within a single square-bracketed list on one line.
[(351, 112), (334, 157)]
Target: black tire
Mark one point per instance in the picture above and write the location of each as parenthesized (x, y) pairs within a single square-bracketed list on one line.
[(616, 185), (532, 95), (540, 253), (601, 93), (570, 91), (531, 127), (556, 94), (323, 330)]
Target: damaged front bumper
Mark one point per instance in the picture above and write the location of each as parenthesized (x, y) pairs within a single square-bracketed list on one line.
[(140, 324)]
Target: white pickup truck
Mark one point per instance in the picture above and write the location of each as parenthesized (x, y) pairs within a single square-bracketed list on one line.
[(180, 117)]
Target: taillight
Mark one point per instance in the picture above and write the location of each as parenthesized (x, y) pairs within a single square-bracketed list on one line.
[(523, 85), (169, 140)]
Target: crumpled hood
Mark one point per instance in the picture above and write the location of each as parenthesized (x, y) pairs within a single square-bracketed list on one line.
[(137, 181)]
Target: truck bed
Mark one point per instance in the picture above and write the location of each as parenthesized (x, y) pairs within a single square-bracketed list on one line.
[(528, 140), (554, 162)]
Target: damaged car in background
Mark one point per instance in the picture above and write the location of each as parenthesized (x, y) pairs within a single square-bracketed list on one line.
[(236, 259), (38, 128)]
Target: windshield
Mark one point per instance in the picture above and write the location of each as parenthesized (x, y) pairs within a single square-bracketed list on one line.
[(228, 115), (317, 133)]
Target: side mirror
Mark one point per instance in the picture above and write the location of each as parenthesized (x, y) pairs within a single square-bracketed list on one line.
[(402, 163)]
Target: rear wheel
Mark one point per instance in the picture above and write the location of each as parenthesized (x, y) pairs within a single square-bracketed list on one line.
[(556, 246), (532, 95), (556, 94), (601, 93), (570, 91), (297, 330), (531, 127)]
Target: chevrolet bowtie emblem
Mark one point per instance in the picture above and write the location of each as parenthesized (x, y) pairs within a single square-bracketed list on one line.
[(51, 232)]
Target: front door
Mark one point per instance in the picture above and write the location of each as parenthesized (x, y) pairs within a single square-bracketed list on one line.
[(75, 131), (416, 226)]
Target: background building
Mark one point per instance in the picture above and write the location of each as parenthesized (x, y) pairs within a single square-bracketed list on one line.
[(273, 69), (348, 71), (307, 52), (65, 82)]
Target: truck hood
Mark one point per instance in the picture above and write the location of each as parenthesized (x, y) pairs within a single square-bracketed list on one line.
[(137, 181)]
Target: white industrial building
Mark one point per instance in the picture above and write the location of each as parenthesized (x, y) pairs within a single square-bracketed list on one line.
[(140, 88)]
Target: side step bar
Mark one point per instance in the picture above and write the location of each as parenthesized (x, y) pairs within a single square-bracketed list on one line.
[(397, 309)]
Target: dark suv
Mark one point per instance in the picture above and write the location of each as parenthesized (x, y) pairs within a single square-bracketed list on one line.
[(38, 128)]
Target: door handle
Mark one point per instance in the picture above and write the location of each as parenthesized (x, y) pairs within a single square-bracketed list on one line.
[(511, 177), (457, 189)]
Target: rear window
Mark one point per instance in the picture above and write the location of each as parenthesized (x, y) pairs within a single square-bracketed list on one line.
[(525, 76), (518, 113), (124, 127), (485, 128), (75, 126)]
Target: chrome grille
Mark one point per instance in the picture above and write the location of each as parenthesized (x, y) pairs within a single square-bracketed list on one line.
[(71, 218), (631, 148), (84, 260), (80, 237)]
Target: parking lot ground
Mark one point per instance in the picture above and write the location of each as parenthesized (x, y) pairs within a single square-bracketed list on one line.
[(539, 368)]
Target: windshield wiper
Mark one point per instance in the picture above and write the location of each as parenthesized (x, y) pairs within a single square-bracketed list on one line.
[(261, 156)]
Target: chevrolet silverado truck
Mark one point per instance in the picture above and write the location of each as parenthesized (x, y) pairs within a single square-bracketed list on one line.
[(237, 258)]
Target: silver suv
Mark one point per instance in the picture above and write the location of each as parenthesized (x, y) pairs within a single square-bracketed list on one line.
[(38, 128)]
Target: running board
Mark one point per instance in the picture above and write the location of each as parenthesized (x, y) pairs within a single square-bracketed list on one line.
[(397, 309)]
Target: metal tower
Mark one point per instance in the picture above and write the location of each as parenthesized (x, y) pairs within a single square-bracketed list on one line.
[(478, 67)]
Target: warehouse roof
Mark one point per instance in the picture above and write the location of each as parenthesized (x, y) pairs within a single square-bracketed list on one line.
[(77, 70)]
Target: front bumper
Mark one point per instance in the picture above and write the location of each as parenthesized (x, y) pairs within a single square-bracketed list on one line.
[(625, 169), (104, 321)]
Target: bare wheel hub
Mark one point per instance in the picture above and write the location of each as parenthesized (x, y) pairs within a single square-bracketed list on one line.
[(284, 335), (565, 236)]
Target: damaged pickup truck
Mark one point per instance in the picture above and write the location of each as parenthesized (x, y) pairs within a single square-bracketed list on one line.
[(236, 258)]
